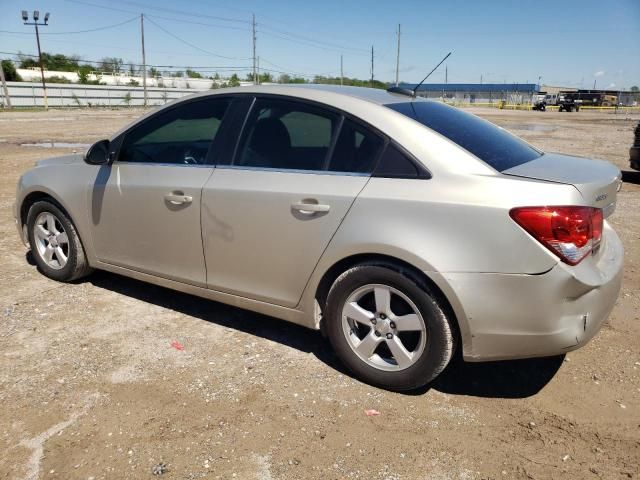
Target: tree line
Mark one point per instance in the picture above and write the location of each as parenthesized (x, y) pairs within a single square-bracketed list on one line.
[(110, 65)]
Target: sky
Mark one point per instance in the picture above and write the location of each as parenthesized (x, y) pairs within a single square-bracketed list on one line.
[(563, 42)]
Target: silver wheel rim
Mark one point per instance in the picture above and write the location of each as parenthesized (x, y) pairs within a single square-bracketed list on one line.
[(52, 242), (383, 327)]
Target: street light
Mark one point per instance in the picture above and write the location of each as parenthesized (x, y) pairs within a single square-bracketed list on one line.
[(36, 16)]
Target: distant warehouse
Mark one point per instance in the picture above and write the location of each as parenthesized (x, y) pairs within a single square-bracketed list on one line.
[(519, 93)]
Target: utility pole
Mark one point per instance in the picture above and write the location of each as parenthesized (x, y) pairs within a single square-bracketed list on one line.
[(4, 88), (398, 58), (258, 70), (36, 16), (446, 74), (594, 84), (144, 60), (341, 71), (255, 79), (371, 66), (480, 79)]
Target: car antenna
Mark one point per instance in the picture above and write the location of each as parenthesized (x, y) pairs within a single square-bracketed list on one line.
[(412, 93)]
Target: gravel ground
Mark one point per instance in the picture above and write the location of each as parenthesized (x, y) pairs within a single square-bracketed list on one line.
[(91, 387)]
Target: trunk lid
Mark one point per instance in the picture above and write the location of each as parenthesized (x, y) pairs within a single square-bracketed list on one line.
[(598, 181)]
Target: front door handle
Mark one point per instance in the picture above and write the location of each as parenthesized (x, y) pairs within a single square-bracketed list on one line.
[(310, 208), (178, 198)]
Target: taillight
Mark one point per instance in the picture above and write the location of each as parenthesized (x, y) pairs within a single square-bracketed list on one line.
[(569, 232)]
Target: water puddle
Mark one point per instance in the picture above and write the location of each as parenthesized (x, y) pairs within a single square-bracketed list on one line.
[(533, 127), (56, 145)]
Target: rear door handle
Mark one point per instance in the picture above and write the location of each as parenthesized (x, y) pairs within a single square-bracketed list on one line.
[(310, 208), (178, 198)]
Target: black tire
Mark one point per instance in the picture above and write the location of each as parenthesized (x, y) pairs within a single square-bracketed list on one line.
[(543, 108), (440, 338), (76, 265)]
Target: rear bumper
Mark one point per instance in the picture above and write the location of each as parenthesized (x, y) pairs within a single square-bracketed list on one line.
[(521, 316)]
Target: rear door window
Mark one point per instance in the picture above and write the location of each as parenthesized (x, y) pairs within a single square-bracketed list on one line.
[(356, 150), (284, 134), (490, 143)]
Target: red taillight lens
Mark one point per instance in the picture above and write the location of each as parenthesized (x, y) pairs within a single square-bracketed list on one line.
[(569, 232)]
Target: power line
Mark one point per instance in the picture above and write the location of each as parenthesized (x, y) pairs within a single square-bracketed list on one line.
[(115, 9), (182, 12), (192, 45), (288, 71), (78, 31), (312, 40), (192, 22), (302, 42)]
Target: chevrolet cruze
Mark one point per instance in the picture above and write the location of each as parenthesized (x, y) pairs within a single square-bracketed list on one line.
[(404, 229)]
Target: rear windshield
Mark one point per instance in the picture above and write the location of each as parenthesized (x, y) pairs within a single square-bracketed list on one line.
[(486, 141)]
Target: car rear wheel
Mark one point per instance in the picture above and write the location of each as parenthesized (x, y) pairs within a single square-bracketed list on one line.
[(55, 244), (387, 327)]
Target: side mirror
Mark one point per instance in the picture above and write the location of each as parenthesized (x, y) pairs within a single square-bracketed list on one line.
[(98, 153)]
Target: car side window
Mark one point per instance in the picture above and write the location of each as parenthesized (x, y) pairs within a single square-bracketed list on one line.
[(182, 135), (396, 164), (283, 134), (356, 150)]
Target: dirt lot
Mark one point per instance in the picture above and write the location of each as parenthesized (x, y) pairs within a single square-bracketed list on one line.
[(90, 387)]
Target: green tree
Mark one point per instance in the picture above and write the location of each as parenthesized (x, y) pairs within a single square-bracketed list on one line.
[(349, 81), (83, 76), (56, 62), (154, 72), (133, 83), (58, 79), (192, 73), (178, 74), (284, 78), (83, 73), (635, 90), (234, 81), (265, 78), (111, 64), (10, 73), (127, 99)]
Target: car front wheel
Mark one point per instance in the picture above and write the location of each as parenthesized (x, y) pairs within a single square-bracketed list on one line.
[(55, 244), (387, 327)]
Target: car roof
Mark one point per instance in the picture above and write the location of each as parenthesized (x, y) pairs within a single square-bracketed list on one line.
[(322, 93)]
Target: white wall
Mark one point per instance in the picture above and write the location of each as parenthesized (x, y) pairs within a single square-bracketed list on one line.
[(31, 94), (116, 79)]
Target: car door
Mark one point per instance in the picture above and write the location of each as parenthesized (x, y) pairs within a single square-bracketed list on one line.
[(146, 205), (269, 214)]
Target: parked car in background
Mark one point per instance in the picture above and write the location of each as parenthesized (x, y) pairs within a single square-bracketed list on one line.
[(404, 229)]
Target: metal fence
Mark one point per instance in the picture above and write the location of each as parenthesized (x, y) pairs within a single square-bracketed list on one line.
[(31, 94)]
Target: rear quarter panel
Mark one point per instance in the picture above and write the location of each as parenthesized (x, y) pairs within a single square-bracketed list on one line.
[(450, 223)]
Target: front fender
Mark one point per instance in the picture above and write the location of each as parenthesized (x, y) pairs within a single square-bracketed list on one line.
[(68, 185)]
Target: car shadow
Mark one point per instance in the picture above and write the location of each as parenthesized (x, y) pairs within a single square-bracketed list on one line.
[(631, 176), (504, 379), (501, 379)]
